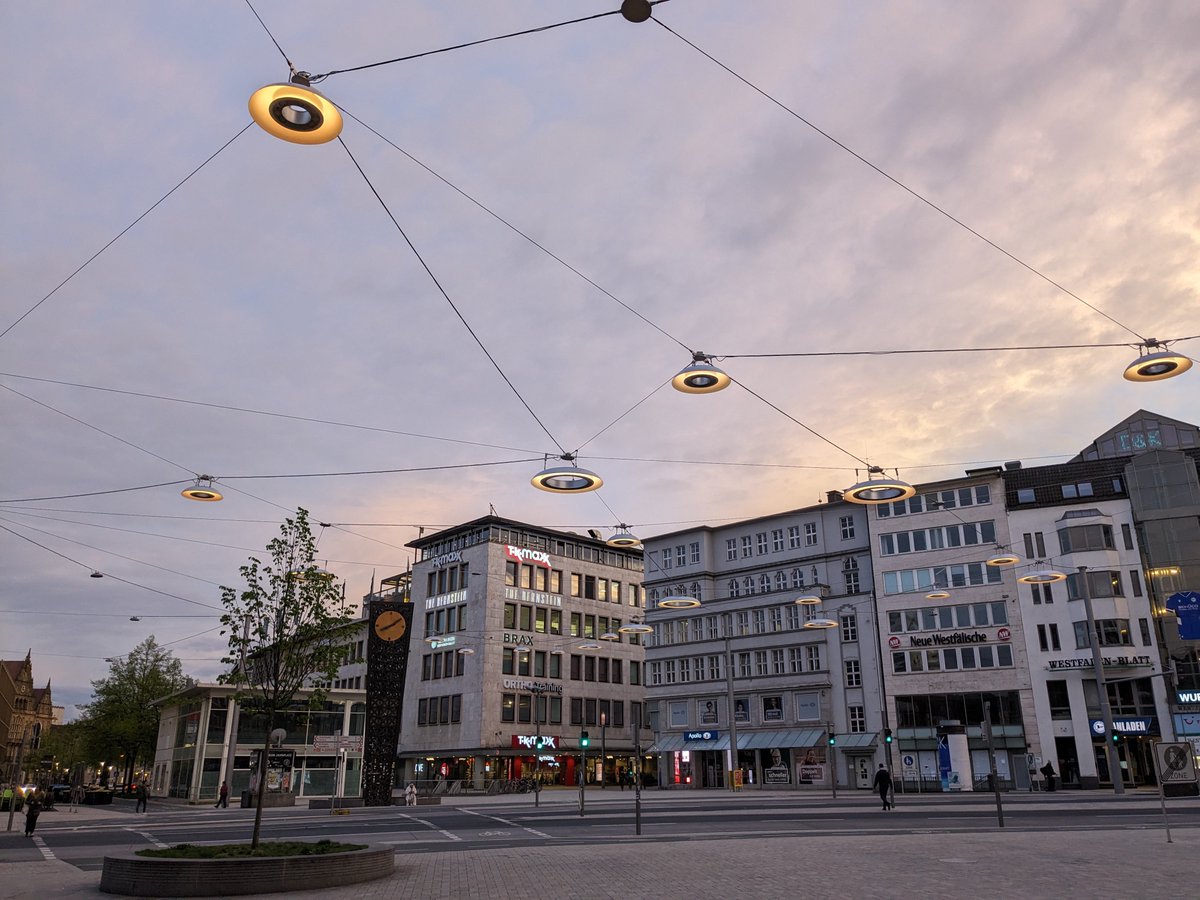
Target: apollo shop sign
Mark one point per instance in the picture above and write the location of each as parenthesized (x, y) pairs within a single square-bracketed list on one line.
[(524, 554)]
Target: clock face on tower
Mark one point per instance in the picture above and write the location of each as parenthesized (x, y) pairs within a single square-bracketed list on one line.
[(390, 626)]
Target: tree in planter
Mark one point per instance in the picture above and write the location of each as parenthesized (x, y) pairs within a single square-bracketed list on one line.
[(285, 632), (121, 720)]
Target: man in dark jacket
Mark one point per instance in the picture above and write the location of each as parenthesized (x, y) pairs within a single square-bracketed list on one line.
[(883, 784), (33, 809)]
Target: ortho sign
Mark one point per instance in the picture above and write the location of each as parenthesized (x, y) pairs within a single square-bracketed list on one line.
[(524, 554)]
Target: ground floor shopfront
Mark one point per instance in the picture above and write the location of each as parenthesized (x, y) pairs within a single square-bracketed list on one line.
[(796, 759), (558, 766)]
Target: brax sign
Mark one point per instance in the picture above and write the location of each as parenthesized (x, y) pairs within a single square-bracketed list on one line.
[(524, 554)]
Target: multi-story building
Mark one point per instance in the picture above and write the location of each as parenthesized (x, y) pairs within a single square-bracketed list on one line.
[(956, 650), (764, 634), (518, 637), (26, 713)]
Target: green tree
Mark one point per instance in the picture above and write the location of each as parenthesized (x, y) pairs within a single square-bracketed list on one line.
[(285, 632), (122, 719)]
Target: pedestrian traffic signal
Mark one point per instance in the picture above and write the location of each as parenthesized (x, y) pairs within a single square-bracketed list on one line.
[(833, 740), (584, 740), (887, 735), (1116, 738)]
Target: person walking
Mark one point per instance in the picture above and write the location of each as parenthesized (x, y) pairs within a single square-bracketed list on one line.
[(33, 809), (883, 784), (1050, 774), (410, 794), (142, 796), (222, 796)]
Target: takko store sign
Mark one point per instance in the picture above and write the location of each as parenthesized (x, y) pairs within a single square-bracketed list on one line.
[(524, 554)]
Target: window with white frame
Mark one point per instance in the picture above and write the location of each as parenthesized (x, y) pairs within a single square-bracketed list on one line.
[(685, 669), (794, 537), (777, 662), (669, 671), (810, 534), (711, 628), (959, 575), (681, 556), (743, 665), (853, 673), (748, 586), (761, 539), (853, 585), (714, 668), (666, 558), (813, 657), (735, 589), (797, 578), (730, 549), (777, 540), (743, 622), (760, 662), (776, 614), (747, 546), (858, 719), (764, 584), (694, 547), (847, 526), (760, 621), (781, 581), (698, 668), (793, 617), (655, 672), (849, 628), (796, 659)]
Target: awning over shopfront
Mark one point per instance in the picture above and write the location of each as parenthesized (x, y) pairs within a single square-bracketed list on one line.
[(856, 741), (754, 740)]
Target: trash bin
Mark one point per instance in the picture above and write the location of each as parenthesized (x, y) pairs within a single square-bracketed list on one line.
[(247, 799)]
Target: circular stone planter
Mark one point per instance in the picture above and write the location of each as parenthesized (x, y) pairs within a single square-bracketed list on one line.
[(142, 876)]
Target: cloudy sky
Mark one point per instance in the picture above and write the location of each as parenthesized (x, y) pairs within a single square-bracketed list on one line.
[(273, 281)]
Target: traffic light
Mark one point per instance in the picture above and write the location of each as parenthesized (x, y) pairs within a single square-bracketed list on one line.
[(887, 735), (584, 740), (832, 740), (1116, 737), (540, 742)]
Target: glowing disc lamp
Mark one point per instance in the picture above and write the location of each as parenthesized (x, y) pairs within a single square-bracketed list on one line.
[(701, 376), (623, 538), (678, 603), (202, 490), (566, 479), (1003, 559), (821, 623), (879, 489), (296, 113), (1157, 363), (938, 594), (1042, 576), (636, 628), (809, 600)]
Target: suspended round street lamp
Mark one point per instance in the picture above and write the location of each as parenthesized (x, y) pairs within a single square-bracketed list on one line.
[(701, 376), (636, 628), (296, 113), (623, 538), (877, 490), (202, 490), (1157, 363), (678, 603), (938, 594), (566, 479), (1003, 559), (1042, 576), (820, 623), (635, 10), (808, 600)]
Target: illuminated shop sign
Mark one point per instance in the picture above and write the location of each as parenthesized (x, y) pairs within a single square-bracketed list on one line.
[(536, 598), (445, 599), (1188, 696), (454, 556), (1132, 726), (524, 554), (530, 742), (521, 640), (524, 684), (947, 640), (1110, 662)]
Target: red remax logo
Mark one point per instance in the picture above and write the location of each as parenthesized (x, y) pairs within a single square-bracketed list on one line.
[(893, 642), (1004, 634)]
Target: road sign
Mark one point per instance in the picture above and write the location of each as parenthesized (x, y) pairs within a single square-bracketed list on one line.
[(330, 743), (1176, 764)]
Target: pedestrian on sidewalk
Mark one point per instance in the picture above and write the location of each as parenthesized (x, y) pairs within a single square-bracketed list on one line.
[(1050, 774), (222, 796), (410, 794), (883, 784), (142, 796), (33, 809)]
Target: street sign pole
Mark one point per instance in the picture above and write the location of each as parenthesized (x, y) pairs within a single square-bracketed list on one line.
[(1162, 799), (991, 748)]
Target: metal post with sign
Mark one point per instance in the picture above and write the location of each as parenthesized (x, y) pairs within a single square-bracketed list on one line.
[(991, 749), (1110, 750), (1174, 764)]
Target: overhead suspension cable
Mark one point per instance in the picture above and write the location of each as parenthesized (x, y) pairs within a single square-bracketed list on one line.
[(446, 296), (792, 418), (262, 412), (507, 224), (900, 184), (902, 352), (291, 68), (499, 37), (622, 415), (123, 231)]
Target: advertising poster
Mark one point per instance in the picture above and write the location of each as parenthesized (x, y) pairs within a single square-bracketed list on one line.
[(777, 766)]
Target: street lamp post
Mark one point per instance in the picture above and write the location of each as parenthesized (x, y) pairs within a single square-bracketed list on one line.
[(538, 690), (729, 703), (603, 748), (1110, 751)]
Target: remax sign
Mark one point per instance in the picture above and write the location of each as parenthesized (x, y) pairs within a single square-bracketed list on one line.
[(524, 554)]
